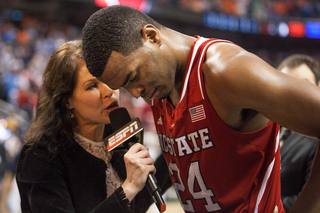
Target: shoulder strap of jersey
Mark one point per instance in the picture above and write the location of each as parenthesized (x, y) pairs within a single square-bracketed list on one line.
[(198, 51), (191, 59)]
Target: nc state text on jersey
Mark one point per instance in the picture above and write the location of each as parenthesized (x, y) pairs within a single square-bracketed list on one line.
[(186, 144)]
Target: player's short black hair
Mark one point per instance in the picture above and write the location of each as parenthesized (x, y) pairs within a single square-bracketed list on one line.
[(115, 28)]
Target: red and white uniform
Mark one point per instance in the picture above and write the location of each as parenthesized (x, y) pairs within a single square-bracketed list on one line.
[(213, 167)]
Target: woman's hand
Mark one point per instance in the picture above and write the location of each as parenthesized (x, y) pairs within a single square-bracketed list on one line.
[(138, 165)]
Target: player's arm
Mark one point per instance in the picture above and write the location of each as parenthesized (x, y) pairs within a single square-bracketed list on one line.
[(242, 80)]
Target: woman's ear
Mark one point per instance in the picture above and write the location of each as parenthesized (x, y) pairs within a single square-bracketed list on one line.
[(151, 33), (69, 104)]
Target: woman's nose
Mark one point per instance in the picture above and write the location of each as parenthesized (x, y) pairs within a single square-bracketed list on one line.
[(107, 92)]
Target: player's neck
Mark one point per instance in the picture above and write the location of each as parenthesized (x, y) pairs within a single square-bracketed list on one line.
[(174, 97), (180, 45)]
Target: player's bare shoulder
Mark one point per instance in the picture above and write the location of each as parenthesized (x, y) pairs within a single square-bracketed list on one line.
[(221, 55), (222, 62), (226, 72)]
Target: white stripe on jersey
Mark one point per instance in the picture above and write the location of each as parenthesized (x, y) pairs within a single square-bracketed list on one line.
[(199, 65), (195, 50), (266, 177)]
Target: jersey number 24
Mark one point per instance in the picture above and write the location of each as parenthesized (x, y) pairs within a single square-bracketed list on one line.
[(194, 175)]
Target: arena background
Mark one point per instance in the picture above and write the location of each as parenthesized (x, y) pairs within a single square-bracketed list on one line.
[(31, 29)]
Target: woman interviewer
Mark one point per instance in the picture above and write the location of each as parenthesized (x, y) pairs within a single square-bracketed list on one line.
[(64, 165)]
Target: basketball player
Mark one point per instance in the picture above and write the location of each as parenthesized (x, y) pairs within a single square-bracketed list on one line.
[(216, 107)]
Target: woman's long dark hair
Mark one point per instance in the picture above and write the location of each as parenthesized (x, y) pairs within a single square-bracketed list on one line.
[(52, 125)]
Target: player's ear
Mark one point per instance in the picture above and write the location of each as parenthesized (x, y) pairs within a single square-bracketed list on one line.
[(151, 33)]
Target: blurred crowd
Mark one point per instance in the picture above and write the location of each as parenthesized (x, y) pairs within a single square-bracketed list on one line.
[(260, 10), (25, 47)]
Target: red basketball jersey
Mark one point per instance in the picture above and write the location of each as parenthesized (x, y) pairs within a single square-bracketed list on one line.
[(213, 167)]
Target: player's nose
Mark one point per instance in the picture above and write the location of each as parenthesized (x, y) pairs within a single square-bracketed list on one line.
[(136, 91)]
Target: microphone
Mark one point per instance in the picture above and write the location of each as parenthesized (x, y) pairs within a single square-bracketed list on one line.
[(131, 131)]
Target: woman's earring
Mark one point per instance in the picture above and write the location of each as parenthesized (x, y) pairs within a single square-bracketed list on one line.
[(71, 114)]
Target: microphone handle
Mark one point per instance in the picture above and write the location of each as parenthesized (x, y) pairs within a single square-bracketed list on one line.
[(154, 190)]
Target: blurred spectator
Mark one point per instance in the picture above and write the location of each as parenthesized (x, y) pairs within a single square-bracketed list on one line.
[(12, 146), (4, 134), (297, 151), (3, 94)]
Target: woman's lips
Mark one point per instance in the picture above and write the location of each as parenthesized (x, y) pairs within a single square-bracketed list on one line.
[(112, 106)]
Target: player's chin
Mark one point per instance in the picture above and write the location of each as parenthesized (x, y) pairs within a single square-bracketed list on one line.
[(165, 93)]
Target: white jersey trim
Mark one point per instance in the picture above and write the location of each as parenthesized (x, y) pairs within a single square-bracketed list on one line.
[(195, 50), (266, 177), (199, 66)]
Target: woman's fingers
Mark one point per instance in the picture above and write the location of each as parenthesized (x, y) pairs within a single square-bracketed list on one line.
[(138, 161), (136, 148), (138, 165), (137, 151)]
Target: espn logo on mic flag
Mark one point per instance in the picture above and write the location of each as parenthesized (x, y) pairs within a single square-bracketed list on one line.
[(123, 134), (197, 113)]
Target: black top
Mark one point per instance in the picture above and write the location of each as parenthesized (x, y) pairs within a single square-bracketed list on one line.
[(74, 181), (297, 153)]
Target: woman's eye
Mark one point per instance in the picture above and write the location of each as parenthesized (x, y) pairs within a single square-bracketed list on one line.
[(92, 86)]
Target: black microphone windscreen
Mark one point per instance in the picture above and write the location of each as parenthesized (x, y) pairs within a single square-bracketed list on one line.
[(119, 117)]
